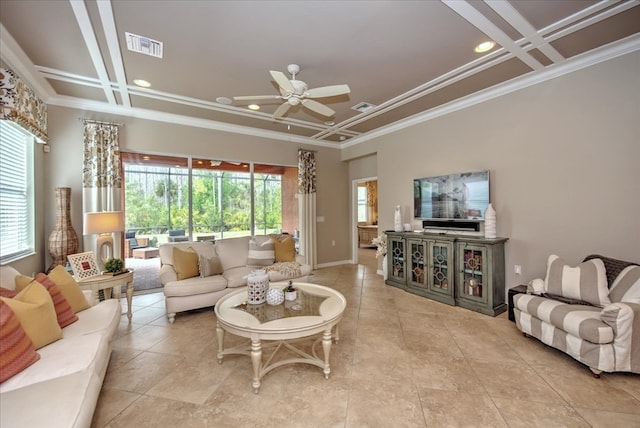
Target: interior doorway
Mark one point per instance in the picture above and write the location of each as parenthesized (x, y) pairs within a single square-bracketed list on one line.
[(365, 217)]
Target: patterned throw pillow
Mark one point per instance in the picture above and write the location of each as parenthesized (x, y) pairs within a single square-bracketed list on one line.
[(209, 266), (185, 263), (5, 292), (261, 253), (626, 287), (586, 282), (34, 308), (17, 351), (64, 312)]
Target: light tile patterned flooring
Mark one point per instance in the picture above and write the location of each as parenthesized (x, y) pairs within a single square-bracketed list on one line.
[(402, 361)]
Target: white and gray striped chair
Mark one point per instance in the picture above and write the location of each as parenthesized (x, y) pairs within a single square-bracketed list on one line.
[(591, 312)]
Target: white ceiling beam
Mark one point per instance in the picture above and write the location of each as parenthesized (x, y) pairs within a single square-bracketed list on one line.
[(517, 21), (82, 17), (478, 20), (111, 34)]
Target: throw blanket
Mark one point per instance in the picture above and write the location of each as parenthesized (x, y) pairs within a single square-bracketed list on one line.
[(290, 269)]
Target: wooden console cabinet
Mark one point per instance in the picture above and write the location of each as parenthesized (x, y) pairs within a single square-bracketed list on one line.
[(460, 270)]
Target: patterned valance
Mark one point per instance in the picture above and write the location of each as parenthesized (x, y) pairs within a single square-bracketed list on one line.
[(20, 104)]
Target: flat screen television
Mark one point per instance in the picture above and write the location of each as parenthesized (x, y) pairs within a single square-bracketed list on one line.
[(462, 196)]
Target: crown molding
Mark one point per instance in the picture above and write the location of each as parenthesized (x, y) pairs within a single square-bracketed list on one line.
[(605, 53)]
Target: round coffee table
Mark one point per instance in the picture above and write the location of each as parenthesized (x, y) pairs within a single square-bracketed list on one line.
[(316, 310)]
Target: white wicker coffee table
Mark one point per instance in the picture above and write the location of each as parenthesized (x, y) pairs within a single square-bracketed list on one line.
[(320, 310)]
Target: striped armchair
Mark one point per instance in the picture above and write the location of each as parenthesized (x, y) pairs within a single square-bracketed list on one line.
[(591, 312)]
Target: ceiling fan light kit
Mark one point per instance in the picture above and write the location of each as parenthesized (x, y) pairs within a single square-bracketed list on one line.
[(296, 92)]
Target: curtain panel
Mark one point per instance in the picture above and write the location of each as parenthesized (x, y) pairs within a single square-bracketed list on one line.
[(20, 105), (372, 201), (101, 174), (307, 204)]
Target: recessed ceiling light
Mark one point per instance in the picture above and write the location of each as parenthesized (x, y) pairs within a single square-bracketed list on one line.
[(484, 47), (146, 157), (253, 107), (142, 83), (223, 100), (329, 123)]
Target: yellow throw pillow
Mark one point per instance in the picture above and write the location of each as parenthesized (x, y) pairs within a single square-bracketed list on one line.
[(69, 288), (285, 248), (35, 311), (185, 263)]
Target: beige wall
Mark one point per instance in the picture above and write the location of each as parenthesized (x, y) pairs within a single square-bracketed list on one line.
[(564, 157)]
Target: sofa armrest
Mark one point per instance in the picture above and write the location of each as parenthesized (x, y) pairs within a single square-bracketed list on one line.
[(301, 259), (88, 294), (624, 319), (167, 274)]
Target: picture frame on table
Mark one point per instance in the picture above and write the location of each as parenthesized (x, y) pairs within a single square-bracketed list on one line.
[(84, 265)]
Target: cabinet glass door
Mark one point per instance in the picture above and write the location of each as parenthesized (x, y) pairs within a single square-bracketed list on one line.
[(417, 256), (395, 250), (441, 258), (473, 273)]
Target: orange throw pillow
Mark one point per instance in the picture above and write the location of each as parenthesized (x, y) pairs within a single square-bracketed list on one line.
[(17, 351), (64, 312), (285, 248)]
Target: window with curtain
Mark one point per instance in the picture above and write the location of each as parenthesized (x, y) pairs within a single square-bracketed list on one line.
[(17, 225), (362, 203)]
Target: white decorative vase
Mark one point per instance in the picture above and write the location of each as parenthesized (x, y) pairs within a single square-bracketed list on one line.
[(275, 296), (385, 269), (397, 220), (290, 295), (490, 222)]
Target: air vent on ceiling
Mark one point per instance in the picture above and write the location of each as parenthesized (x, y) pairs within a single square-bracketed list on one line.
[(144, 45), (362, 107)]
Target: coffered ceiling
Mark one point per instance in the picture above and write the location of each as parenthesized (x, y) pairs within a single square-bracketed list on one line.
[(407, 59)]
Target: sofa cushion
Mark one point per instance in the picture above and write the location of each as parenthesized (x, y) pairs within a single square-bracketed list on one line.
[(209, 266), (64, 312), (261, 252), (102, 318), (34, 308), (185, 262), (586, 282), (237, 277), (285, 248), (626, 287), (69, 288), (578, 320), (193, 286), (233, 252), (17, 351)]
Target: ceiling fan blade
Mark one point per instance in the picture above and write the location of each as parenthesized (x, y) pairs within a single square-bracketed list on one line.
[(257, 97), (282, 80), (282, 110), (318, 107), (328, 91)]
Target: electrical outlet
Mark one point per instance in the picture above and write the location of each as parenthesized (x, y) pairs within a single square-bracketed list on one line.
[(517, 269)]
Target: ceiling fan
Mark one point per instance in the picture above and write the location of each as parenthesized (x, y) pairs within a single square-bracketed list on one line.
[(295, 92)]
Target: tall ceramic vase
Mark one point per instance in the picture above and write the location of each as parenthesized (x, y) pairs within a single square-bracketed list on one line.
[(490, 225), (63, 239), (397, 219)]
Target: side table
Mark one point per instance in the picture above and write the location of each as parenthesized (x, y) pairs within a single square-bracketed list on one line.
[(115, 282), (518, 289)]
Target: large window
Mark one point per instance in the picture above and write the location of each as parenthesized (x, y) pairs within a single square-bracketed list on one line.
[(16, 193), (212, 198)]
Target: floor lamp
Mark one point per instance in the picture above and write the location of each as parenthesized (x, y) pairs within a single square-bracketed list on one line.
[(104, 224)]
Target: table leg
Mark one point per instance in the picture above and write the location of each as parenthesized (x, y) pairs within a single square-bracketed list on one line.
[(129, 299), (326, 347), (256, 360), (220, 334)]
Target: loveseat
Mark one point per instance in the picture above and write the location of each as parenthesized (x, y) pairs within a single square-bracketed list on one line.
[(223, 267), (61, 388), (590, 311)]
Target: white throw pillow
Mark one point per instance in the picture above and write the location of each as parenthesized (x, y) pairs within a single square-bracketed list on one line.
[(261, 253), (586, 282), (209, 266), (626, 287)]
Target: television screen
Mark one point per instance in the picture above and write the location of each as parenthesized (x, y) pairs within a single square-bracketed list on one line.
[(453, 197)]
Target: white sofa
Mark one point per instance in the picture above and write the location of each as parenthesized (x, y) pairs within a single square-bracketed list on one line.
[(61, 389), (200, 292)]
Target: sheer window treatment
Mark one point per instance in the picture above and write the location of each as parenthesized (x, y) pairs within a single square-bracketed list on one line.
[(307, 205)]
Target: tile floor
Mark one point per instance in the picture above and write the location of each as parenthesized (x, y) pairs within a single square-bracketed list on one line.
[(402, 361)]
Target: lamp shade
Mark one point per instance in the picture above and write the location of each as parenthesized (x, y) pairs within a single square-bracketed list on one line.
[(103, 222)]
